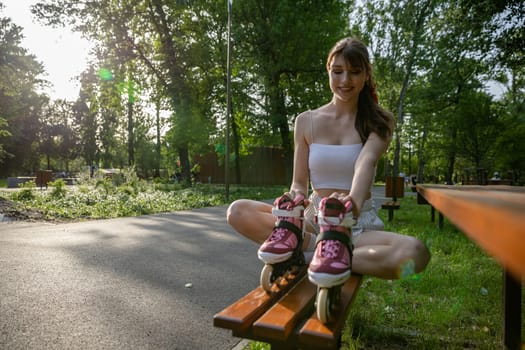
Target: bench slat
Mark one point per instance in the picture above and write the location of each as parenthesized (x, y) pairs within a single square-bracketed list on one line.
[(494, 208), (281, 319), (286, 318), (240, 315), (318, 335)]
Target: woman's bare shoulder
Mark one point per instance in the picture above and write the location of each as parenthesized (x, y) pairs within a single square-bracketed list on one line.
[(319, 111), (301, 119), (307, 116)]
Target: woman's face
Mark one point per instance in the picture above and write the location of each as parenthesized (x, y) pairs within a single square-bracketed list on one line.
[(346, 81)]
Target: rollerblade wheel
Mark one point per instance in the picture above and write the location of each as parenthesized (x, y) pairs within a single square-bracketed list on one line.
[(266, 278), (323, 305)]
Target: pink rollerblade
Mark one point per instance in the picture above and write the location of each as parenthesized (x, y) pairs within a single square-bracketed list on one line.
[(282, 250), (332, 261)]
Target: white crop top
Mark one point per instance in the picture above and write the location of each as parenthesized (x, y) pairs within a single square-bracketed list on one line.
[(332, 166)]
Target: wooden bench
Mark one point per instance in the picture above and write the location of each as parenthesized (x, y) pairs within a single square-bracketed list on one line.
[(286, 318), (421, 200), (394, 188), (494, 218)]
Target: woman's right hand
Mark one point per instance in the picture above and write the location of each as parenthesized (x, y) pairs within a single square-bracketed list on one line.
[(297, 198)]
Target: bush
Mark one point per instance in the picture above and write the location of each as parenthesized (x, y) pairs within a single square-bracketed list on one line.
[(27, 191), (105, 200), (59, 188), (106, 185)]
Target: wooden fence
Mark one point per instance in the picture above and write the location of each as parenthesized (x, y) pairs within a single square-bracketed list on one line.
[(263, 166)]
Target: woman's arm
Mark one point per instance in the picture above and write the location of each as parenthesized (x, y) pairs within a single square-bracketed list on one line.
[(301, 152), (365, 167)]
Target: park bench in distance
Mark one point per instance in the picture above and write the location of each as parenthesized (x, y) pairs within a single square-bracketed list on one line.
[(286, 318), (395, 189)]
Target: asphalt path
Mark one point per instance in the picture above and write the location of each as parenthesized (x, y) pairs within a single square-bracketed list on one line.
[(148, 282)]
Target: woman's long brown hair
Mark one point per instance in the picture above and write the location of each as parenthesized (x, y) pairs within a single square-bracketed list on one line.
[(370, 116)]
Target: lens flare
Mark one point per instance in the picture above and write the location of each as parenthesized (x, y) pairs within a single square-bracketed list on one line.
[(407, 269), (105, 74)]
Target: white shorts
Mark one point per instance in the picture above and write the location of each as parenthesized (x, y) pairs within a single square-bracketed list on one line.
[(367, 221)]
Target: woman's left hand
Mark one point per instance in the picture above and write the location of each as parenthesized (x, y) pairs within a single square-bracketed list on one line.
[(345, 197)]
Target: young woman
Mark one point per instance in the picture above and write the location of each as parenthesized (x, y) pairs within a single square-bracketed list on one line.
[(337, 147)]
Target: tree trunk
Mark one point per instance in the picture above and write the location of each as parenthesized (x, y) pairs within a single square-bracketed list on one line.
[(176, 86), (185, 164), (421, 157), (451, 158), (236, 145), (157, 149), (131, 145), (278, 113), (411, 58)]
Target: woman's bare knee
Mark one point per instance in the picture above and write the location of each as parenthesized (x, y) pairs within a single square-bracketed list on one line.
[(389, 255), (235, 212), (420, 254), (251, 219), (412, 256)]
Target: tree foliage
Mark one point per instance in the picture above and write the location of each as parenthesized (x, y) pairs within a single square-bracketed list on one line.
[(20, 104), (154, 93), (451, 59)]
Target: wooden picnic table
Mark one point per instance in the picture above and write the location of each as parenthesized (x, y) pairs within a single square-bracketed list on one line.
[(494, 218)]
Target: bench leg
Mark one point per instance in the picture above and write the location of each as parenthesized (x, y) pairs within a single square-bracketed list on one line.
[(511, 312), (433, 217), (390, 214)]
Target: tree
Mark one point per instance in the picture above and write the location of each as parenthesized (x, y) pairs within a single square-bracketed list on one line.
[(283, 44), (86, 118), (3, 133), (430, 58), (478, 129), (504, 21), (444, 52), (20, 103), (57, 136), (397, 34), (509, 152), (161, 35)]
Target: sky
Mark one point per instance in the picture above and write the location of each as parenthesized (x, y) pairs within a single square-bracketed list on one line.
[(63, 53)]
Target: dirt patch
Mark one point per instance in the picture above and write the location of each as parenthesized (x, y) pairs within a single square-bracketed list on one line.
[(12, 211)]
